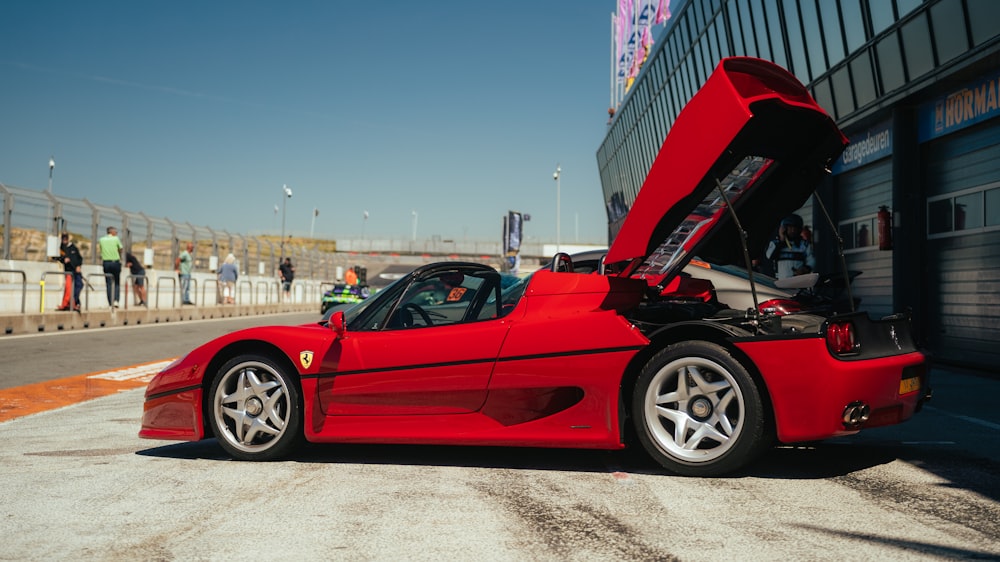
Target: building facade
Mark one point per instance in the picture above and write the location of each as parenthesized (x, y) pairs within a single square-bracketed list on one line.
[(915, 198)]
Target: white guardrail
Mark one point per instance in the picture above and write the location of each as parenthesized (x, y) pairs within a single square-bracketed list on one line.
[(28, 287)]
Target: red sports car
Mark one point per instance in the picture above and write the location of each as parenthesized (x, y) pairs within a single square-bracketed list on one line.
[(456, 353)]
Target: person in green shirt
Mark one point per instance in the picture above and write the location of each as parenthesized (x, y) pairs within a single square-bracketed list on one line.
[(111, 256), (183, 265)]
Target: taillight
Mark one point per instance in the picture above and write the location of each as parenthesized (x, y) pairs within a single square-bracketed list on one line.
[(840, 338), (780, 307)]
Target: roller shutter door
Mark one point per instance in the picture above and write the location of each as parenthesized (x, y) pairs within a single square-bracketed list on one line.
[(963, 259), (859, 194)]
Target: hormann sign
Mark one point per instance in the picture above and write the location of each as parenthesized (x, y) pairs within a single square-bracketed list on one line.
[(963, 107)]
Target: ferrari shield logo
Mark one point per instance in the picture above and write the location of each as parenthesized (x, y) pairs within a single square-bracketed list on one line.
[(306, 358)]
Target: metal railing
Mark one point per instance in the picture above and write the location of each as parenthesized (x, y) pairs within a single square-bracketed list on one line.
[(41, 285), (173, 290), (130, 280), (24, 285)]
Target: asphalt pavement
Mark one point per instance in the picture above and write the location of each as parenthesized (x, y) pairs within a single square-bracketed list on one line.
[(79, 483)]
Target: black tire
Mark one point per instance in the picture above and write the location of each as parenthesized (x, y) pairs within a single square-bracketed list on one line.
[(697, 411), (254, 409)]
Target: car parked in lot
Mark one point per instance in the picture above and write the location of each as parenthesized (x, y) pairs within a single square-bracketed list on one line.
[(458, 353)]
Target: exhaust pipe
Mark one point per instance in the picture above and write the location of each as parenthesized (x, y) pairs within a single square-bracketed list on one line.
[(856, 414)]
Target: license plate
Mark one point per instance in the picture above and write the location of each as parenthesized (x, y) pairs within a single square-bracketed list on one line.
[(911, 384)]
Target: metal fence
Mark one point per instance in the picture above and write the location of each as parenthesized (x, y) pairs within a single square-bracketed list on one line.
[(33, 221)]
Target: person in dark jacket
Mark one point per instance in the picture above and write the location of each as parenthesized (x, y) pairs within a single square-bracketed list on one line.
[(72, 262), (138, 278), (287, 276)]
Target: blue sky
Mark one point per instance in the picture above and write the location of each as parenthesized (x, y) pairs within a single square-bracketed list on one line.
[(201, 111)]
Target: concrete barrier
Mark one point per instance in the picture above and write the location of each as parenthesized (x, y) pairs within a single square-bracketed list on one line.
[(13, 324)]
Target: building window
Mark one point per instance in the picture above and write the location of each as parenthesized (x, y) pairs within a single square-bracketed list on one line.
[(814, 39), (890, 63), (699, 22), (832, 31), (854, 28), (882, 15), (859, 234), (823, 96), (993, 207), (732, 11), (939, 217), (864, 80), (843, 95), (706, 55), (746, 21), (950, 36), (917, 47), (777, 40), (984, 19), (683, 27), (907, 6), (800, 66), (760, 28), (968, 211)]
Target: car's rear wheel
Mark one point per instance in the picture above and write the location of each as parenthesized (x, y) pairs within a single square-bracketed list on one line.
[(255, 411), (697, 411)]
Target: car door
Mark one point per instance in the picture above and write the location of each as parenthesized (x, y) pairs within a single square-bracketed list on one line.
[(430, 351)]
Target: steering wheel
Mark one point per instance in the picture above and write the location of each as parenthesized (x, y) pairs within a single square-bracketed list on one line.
[(423, 313)]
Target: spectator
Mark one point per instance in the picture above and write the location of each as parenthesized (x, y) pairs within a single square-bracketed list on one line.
[(228, 274), (72, 262), (287, 276), (183, 265), (790, 252), (111, 250), (138, 278)]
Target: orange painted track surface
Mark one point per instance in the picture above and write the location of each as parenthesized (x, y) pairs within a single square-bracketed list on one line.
[(43, 396)]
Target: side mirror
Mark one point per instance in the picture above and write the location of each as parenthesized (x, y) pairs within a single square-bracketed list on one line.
[(337, 324)]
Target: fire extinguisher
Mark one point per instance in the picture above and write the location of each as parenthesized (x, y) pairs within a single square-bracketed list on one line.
[(884, 228)]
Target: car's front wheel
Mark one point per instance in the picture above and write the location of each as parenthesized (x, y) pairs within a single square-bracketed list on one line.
[(255, 411), (697, 410)]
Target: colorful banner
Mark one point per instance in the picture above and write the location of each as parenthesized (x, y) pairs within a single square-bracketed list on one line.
[(633, 37), (514, 229)]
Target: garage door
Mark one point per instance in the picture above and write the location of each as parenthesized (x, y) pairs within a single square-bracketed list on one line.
[(860, 193), (963, 243)]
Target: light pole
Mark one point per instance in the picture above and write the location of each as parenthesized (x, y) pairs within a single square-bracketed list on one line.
[(313, 225), (414, 213), (364, 222), (52, 166), (555, 176), (288, 195)]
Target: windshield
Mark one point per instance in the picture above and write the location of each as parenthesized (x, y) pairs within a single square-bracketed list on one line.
[(441, 298), (389, 292)]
